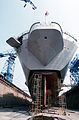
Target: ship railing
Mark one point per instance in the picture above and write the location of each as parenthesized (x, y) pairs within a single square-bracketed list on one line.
[(69, 37), (34, 26), (56, 26), (52, 25), (24, 35)]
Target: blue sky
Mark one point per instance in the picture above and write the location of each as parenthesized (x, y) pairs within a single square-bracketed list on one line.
[(16, 19)]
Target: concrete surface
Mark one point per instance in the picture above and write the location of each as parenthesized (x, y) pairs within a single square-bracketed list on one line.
[(14, 113), (65, 114), (21, 113)]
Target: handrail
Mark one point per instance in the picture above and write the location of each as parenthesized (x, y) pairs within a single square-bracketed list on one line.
[(70, 35), (29, 30), (52, 23), (39, 23), (58, 25), (33, 25)]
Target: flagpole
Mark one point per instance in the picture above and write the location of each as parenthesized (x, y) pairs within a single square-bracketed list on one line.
[(45, 19), (46, 14)]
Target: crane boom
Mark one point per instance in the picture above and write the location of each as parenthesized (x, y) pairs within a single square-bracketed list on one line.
[(31, 3), (74, 70), (9, 66)]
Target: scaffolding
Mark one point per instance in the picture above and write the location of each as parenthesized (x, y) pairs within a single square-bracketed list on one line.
[(43, 97), (36, 92), (57, 89), (59, 100)]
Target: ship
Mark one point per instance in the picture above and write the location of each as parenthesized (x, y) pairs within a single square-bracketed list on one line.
[(44, 52)]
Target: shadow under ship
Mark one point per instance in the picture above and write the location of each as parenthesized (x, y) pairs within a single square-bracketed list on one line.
[(44, 52)]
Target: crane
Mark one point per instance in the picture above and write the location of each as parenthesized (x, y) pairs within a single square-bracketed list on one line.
[(9, 65), (74, 70), (31, 3)]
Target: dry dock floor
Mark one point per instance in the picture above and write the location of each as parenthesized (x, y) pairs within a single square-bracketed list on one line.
[(22, 114), (19, 113)]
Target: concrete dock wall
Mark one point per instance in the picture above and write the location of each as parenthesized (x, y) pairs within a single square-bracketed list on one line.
[(11, 96)]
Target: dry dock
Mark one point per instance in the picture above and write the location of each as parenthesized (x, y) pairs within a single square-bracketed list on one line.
[(11, 96)]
